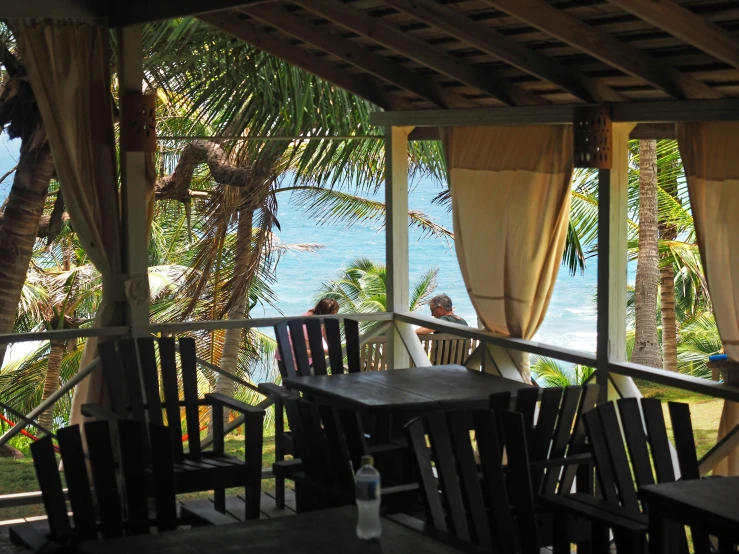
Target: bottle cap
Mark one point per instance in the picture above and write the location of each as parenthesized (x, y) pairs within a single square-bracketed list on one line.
[(368, 461)]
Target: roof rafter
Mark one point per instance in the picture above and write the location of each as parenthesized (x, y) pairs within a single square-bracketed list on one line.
[(492, 42), (230, 23), (420, 51), (608, 49), (686, 25), (358, 56)]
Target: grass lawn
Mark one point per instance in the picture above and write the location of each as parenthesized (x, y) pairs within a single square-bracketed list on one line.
[(19, 476)]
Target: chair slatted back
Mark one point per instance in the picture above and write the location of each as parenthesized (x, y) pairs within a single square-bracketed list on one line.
[(189, 366), (120, 491), (114, 377), (293, 347), (170, 386), (576, 444), (456, 499), (631, 449)]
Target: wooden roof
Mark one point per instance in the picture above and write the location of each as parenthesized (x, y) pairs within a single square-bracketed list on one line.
[(441, 54)]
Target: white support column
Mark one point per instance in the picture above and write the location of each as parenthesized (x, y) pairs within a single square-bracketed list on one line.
[(617, 258), (133, 177), (396, 237)]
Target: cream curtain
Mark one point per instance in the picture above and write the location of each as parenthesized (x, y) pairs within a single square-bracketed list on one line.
[(68, 67), (511, 201), (711, 162)]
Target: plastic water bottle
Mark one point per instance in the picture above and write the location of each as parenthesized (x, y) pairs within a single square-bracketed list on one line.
[(368, 500)]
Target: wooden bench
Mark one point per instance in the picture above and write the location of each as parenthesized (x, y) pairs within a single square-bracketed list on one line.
[(441, 348)]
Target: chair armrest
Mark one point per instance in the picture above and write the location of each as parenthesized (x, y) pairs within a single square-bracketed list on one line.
[(575, 459), (233, 404), (414, 524), (399, 489), (592, 508), (288, 467), (100, 412), (275, 390)]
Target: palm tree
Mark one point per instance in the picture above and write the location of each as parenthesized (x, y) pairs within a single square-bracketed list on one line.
[(550, 373), (361, 288)]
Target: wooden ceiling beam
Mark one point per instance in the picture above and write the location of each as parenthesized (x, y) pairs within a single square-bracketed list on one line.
[(129, 12), (231, 23), (360, 57), (606, 48), (510, 51), (687, 26), (363, 24)]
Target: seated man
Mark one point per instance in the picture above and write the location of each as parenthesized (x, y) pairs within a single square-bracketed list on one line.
[(441, 308)]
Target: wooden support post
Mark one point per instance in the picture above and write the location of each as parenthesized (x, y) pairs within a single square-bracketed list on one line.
[(604, 245), (133, 178), (618, 259), (396, 237)]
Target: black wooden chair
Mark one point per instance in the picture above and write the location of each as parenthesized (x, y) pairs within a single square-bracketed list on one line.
[(630, 448), (137, 390), (119, 504), (296, 362), (484, 504), (331, 444)]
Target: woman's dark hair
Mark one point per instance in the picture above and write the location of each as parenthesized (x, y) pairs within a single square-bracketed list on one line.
[(326, 306)]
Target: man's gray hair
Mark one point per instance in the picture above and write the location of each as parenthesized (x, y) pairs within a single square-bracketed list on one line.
[(441, 300)]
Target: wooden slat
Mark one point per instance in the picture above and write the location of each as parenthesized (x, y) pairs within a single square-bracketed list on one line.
[(104, 479), (130, 362), (351, 334), (682, 430), (284, 347), (596, 437), (618, 455), (441, 448), (168, 359), (315, 341), (485, 81), (507, 49), (526, 406), (134, 478), (605, 47), (636, 438), (459, 426), (150, 377), (358, 56), (300, 348), (113, 376), (164, 480), (416, 435), (188, 364), (78, 482), (250, 33), (50, 482), (687, 26), (561, 435), (657, 434), (333, 339)]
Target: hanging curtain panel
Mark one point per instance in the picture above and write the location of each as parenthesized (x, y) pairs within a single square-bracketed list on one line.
[(511, 201), (68, 67), (709, 154)]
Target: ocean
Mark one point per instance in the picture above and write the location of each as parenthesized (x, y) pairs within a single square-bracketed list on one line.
[(570, 320)]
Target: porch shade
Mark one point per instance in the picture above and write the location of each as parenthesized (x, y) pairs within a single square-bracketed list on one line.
[(711, 164), (510, 189), (68, 67)]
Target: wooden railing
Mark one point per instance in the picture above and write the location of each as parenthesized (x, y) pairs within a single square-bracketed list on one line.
[(441, 349)]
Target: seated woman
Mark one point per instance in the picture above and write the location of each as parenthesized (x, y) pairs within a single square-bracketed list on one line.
[(325, 306)]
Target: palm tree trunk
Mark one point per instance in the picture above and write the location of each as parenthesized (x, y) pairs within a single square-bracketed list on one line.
[(669, 318), (646, 345), (20, 225), (232, 337), (51, 383)]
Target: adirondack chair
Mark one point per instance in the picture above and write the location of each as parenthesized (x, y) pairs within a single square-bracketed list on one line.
[(331, 447), (495, 512), (293, 349), (628, 455), (133, 383), (107, 513)]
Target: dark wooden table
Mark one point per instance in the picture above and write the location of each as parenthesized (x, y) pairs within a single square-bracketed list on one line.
[(329, 531), (709, 505), (415, 390)]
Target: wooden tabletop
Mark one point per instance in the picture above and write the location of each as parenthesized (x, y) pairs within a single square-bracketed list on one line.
[(327, 531), (412, 390), (708, 502)]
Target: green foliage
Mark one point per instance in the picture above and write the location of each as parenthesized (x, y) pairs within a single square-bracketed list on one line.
[(550, 373)]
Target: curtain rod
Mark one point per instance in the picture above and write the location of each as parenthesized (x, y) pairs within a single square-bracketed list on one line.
[(273, 137)]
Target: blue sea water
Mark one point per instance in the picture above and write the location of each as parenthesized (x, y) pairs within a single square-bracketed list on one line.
[(570, 321)]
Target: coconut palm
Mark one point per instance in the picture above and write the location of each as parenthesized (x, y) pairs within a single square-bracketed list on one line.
[(550, 373)]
